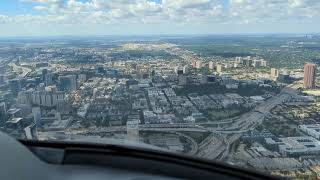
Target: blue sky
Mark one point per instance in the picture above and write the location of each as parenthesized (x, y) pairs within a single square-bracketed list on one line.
[(104, 17)]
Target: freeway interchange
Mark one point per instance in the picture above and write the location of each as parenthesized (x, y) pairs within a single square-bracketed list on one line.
[(249, 121), (223, 134)]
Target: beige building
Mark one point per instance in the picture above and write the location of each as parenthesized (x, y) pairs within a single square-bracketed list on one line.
[(219, 68), (198, 64), (274, 73), (309, 79)]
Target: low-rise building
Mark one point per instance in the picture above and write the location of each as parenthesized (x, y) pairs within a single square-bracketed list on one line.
[(299, 146), (312, 130)]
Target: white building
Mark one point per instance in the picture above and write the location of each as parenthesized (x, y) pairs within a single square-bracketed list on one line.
[(312, 130), (40, 98), (198, 64), (36, 111), (211, 65), (299, 146), (133, 130)]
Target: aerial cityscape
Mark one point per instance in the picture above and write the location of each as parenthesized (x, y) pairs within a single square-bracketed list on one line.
[(237, 99)]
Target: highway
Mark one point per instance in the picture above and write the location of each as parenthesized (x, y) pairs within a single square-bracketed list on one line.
[(18, 69), (251, 120), (217, 145)]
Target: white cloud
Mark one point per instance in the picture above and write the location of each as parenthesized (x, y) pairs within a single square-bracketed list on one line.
[(183, 13), (4, 19), (261, 11)]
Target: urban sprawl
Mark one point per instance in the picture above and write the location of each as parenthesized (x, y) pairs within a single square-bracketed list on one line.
[(237, 109)]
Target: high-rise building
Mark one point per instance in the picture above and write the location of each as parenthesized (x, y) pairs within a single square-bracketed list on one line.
[(274, 73), (48, 79), (247, 61), (198, 64), (238, 60), (211, 65), (40, 98), (259, 63), (219, 68), (263, 63), (185, 69), (309, 80), (44, 72), (36, 111), (3, 112), (68, 83)]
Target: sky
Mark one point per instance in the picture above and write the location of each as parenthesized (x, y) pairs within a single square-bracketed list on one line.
[(145, 17)]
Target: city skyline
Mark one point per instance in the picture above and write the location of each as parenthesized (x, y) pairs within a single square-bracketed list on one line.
[(236, 99)]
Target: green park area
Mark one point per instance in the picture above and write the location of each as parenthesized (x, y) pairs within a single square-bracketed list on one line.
[(216, 115)]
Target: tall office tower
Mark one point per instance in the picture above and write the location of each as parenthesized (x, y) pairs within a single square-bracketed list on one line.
[(48, 79), (133, 130), (3, 112), (257, 63), (36, 111), (238, 60), (274, 73), (44, 72), (219, 68), (15, 86), (247, 62), (309, 80), (211, 65), (198, 64), (68, 83)]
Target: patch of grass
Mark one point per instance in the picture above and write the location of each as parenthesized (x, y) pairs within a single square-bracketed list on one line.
[(215, 115), (197, 136)]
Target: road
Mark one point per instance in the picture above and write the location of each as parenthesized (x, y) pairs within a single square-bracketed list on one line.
[(251, 120), (213, 147), (18, 69), (217, 145)]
